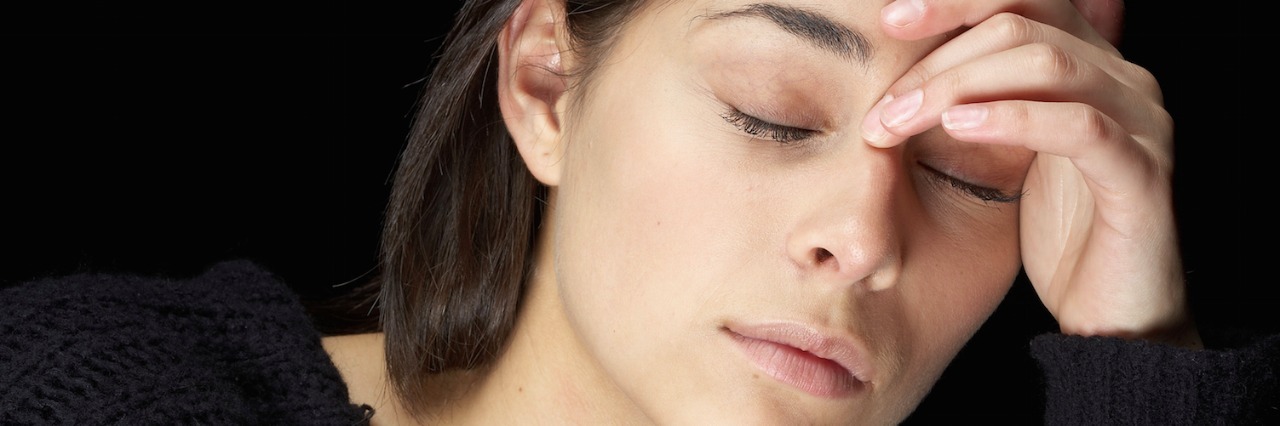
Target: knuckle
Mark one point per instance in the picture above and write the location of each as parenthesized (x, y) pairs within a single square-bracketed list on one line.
[(1054, 63), (917, 75), (1094, 126), (1015, 118), (1010, 27), (1164, 121), (1145, 82), (1163, 136), (1016, 114), (946, 84)]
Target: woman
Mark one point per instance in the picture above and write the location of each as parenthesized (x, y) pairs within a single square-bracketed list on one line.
[(761, 212), (754, 213)]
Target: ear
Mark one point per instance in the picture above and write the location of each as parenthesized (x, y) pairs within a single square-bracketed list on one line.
[(532, 84), (1105, 16)]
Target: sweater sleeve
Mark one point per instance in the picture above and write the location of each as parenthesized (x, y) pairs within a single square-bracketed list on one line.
[(231, 346), (1103, 380)]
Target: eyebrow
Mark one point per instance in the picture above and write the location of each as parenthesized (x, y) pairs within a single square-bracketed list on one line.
[(814, 27)]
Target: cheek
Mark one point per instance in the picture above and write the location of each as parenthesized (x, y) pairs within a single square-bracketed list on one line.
[(959, 277), (645, 217), (650, 248)]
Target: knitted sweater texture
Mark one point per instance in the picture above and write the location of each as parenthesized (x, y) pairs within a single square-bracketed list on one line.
[(1111, 381), (235, 346), (232, 346)]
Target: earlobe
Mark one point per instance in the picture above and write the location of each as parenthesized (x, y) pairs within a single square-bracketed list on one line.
[(531, 85)]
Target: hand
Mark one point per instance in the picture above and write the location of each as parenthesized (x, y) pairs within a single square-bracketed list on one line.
[(1098, 235)]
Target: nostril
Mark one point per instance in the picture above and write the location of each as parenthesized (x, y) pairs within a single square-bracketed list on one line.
[(821, 255)]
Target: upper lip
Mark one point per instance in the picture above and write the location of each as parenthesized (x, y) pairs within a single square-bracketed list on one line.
[(837, 348)]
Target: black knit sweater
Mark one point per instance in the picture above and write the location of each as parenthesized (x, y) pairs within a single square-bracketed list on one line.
[(232, 346), (235, 346)]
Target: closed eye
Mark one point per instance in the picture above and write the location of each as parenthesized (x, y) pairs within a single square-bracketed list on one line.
[(980, 192), (759, 128)]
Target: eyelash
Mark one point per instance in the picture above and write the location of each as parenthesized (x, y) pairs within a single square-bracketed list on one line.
[(760, 128), (980, 192), (786, 134)]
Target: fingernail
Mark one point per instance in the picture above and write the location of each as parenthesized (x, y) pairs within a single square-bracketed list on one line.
[(902, 12), (872, 130), (901, 109), (964, 117)]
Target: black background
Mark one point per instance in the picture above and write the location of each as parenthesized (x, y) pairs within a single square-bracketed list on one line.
[(161, 138)]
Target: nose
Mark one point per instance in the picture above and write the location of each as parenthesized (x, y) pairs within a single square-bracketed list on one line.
[(850, 234)]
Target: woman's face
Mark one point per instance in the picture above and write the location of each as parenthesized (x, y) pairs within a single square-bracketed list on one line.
[(718, 267)]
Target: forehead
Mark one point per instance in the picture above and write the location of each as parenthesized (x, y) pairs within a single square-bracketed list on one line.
[(664, 34), (811, 26), (862, 16), (835, 27)]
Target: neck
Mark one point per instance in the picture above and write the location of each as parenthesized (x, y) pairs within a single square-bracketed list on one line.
[(545, 373)]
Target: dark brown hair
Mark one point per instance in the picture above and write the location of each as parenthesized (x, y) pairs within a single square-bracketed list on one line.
[(460, 227)]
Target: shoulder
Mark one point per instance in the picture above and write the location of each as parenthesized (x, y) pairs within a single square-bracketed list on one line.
[(361, 360), (231, 344)]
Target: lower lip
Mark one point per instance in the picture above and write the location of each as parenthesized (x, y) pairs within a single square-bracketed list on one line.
[(810, 373)]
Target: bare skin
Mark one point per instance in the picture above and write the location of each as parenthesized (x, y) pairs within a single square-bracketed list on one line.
[(359, 358), (865, 228)]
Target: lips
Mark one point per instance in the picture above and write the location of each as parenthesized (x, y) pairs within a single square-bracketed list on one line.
[(821, 365)]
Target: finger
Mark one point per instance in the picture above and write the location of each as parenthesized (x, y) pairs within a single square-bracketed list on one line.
[(1007, 31), (1038, 72), (1114, 164), (873, 132), (918, 19)]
